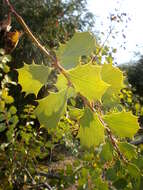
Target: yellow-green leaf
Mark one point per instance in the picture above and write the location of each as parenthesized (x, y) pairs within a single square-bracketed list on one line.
[(69, 53), (87, 81), (91, 132), (113, 76), (33, 77), (128, 150), (122, 124), (51, 108)]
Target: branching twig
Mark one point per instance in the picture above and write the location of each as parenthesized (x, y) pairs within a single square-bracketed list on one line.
[(38, 44), (109, 133), (95, 56), (57, 65)]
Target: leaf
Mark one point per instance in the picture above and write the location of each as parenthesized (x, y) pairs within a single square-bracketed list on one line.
[(62, 84), (33, 77), (101, 184), (120, 184), (87, 81), (80, 44), (91, 132), (113, 76), (134, 173), (128, 150), (51, 108), (2, 127), (106, 153), (75, 113), (122, 124)]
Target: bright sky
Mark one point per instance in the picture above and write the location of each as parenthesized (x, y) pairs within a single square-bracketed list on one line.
[(134, 31)]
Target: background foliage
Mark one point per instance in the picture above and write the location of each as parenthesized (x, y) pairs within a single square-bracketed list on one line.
[(76, 136)]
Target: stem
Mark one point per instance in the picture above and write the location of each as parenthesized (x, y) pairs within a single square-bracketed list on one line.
[(57, 65), (37, 43), (109, 133)]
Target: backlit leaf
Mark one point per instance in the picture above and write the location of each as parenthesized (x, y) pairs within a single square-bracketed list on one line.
[(51, 108), (107, 152), (33, 77), (87, 81), (91, 132), (69, 53), (128, 150), (122, 124), (113, 76)]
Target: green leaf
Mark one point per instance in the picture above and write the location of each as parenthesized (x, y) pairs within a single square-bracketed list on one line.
[(120, 183), (133, 170), (51, 108), (75, 113), (122, 124), (128, 150), (113, 76), (134, 173), (33, 77), (100, 184), (91, 132), (111, 174), (87, 81), (62, 84), (107, 152), (2, 127), (69, 53)]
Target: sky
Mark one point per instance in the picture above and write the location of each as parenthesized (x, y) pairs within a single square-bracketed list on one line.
[(133, 28)]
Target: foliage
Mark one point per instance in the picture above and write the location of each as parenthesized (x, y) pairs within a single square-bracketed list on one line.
[(57, 22), (131, 96), (86, 145)]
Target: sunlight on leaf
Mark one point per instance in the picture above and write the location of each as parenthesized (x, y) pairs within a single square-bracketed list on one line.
[(33, 77)]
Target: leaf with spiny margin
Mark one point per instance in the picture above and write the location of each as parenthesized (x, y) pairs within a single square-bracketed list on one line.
[(87, 81), (122, 124), (91, 132), (51, 108), (33, 77), (113, 76), (128, 150), (81, 44)]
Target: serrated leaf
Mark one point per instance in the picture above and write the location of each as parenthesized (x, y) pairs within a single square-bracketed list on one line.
[(33, 77), (51, 108), (87, 81), (113, 76), (128, 150), (122, 124), (91, 132), (80, 44)]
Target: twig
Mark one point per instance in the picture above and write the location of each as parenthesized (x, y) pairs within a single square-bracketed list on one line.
[(57, 65), (109, 133), (95, 56), (49, 175), (38, 44)]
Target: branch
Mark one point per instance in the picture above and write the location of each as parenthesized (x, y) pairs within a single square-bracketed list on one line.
[(95, 57), (56, 63), (49, 175), (109, 133)]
